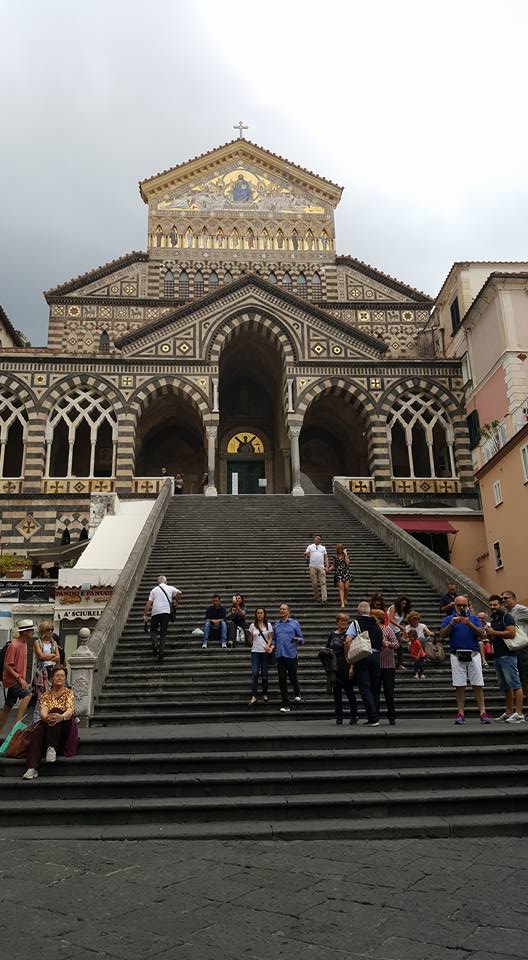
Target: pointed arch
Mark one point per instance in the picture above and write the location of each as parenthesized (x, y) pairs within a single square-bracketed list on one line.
[(183, 285), (213, 281), (228, 277), (317, 290), (287, 282), (302, 287), (198, 284), (14, 420), (104, 342), (271, 327), (79, 426), (272, 277), (168, 284)]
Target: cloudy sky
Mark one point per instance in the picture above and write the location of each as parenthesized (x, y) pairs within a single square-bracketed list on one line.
[(417, 109)]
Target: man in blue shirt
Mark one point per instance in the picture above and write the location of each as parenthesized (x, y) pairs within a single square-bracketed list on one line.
[(287, 634), (503, 628), (464, 631)]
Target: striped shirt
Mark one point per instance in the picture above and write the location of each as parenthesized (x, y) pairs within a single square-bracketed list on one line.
[(387, 653)]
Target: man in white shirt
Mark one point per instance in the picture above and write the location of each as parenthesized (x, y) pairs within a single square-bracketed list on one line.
[(520, 614), (158, 609), (318, 565)]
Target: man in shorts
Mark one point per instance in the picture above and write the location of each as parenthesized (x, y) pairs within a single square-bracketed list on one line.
[(503, 628), (464, 632), (16, 689)]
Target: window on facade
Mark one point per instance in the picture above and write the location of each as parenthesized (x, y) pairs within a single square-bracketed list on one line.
[(455, 315), (497, 555), (228, 277), (104, 342), (168, 284), (524, 462), (287, 282), (213, 280), (198, 283), (183, 285), (81, 436), (272, 277), (497, 492), (421, 437), (302, 286), (473, 425), (13, 434), (466, 369), (316, 287)]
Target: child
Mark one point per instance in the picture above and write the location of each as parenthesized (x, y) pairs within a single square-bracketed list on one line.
[(417, 653)]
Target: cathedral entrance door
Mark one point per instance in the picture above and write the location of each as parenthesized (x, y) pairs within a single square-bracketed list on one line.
[(249, 473)]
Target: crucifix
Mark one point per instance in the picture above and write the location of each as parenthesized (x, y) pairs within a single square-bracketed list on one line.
[(240, 127)]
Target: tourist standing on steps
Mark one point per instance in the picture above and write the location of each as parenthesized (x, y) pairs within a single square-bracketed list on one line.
[(520, 614), (387, 664), (287, 634), (464, 631), (158, 609), (237, 619), (343, 678), (342, 573), (215, 625), (178, 483), (14, 673), (317, 566), (502, 628), (397, 614), (261, 633), (367, 671)]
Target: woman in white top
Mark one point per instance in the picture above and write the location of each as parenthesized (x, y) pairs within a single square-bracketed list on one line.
[(261, 633), (46, 657)]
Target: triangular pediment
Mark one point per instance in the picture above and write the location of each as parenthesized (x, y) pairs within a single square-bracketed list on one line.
[(309, 333), (359, 282), (118, 278), (239, 173)]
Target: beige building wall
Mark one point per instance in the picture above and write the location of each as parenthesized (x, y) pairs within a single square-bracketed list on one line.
[(506, 522), (468, 545)]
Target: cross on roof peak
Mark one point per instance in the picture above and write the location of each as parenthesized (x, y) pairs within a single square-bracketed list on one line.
[(240, 126)]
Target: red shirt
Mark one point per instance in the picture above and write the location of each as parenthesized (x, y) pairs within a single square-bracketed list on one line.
[(16, 657), (415, 649)]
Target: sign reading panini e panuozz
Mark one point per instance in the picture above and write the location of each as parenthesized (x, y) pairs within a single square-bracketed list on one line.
[(65, 596)]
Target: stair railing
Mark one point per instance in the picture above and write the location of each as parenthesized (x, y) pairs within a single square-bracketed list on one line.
[(90, 663), (434, 570)]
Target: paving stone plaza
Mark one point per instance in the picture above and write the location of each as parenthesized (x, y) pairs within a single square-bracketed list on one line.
[(461, 899)]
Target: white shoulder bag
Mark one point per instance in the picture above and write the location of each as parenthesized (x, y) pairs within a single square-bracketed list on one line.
[(359, 646)]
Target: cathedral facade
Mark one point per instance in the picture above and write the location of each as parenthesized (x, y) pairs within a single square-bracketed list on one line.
[(240, 349)]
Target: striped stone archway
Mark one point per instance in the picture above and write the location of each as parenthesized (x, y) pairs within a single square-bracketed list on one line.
[(37, 427), (360, 401), (270, 327), (455, 410), (31, 453), (139, 402)]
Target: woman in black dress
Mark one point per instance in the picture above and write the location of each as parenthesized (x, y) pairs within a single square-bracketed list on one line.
[(342, 573)]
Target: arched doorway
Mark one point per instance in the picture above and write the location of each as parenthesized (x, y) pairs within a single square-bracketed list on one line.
[(334, 441), (251, 406), (170, 434)]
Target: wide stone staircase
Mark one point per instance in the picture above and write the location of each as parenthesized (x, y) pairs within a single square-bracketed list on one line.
[(175, 750)]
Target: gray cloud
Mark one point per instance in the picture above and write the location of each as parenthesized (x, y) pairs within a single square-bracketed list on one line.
[(96, 96)]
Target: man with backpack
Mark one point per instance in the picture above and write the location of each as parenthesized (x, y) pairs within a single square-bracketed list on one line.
[(160, 608), (14, 668), (502, 629)]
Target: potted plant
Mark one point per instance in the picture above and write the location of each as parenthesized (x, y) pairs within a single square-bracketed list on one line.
[(12, 565)]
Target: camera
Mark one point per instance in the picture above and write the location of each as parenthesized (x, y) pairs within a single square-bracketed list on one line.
[(462, 612)]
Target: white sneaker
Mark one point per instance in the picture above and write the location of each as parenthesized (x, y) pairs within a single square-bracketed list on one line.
[(297, 699), (204, 646), (516, 718), (30, 774), (285, 710), (51, 755), (503, 717)]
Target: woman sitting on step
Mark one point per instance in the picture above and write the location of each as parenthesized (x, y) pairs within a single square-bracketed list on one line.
[(56, 730)]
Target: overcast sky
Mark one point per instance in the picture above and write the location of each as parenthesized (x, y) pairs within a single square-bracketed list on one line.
[(418, 110)]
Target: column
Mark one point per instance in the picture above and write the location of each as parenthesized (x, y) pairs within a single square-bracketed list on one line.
[(293, 433), (210, 490), (215, 394)]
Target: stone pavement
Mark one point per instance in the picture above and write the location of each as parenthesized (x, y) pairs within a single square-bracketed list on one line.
[(316, 900)]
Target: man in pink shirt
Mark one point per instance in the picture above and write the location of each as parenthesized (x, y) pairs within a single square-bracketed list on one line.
[(14, 673)]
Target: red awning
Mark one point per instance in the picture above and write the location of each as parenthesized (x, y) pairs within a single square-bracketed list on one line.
[(424, 524)]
